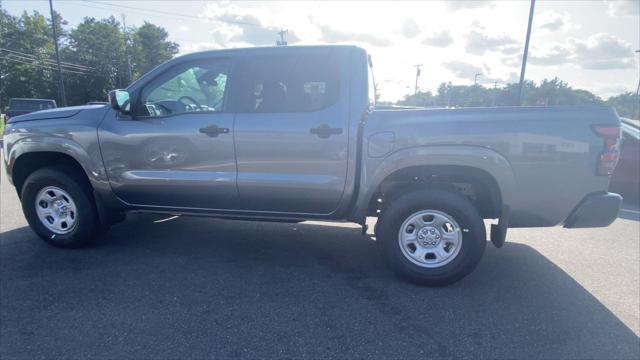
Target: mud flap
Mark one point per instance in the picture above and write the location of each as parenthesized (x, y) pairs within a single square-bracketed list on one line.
[(499, 230), (106, 216)]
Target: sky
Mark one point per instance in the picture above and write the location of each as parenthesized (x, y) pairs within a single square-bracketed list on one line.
[(590, 44)]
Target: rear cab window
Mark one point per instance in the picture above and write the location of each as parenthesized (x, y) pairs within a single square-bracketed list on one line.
[(286, 83)]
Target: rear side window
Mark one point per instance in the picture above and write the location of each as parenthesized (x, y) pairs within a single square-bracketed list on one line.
[(287, 83)]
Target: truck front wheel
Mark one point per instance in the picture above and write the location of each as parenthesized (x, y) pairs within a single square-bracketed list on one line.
[(59, 207), (433, 237)]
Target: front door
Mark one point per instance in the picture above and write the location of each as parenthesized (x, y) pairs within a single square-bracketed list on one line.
[(291, 133), (177, 150)]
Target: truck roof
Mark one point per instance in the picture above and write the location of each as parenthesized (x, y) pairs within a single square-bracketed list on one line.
[(265, 50), (241, 51), (30, 99)]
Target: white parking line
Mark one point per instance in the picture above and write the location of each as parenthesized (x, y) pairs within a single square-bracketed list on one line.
[(167, 219), (631, 211)]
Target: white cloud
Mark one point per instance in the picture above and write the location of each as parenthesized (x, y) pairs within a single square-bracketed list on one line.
[(500, 79), (201, 46), (468, 4), (440, 39), (552, 21), (554, 54), (238, 25), (512, 61), (331, 35), (410, 29), (462, 69), (183, 28), (624, 8), (598, 52), (478, 42), (608, 91), (444, 36)]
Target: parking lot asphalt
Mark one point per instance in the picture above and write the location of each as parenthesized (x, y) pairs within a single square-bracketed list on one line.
[(202, 288)]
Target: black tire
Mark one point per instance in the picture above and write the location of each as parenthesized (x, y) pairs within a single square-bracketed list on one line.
[(455, 205), (87, 227)]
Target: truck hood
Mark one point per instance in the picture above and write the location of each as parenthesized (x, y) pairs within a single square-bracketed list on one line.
[(58, 113)]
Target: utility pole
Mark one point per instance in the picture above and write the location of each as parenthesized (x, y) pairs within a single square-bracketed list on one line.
[(126, 49), (526, 52), (475, 79), (415, 89), (282, 41), (495, 92), (61, 94), (637, 103), (1, 68)]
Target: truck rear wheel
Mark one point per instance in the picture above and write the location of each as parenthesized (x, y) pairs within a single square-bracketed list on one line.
[(433, 237), (59, 207)]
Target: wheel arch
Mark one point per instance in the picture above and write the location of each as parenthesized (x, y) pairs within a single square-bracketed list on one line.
[(424, 166), (27, 163), (474, 183)]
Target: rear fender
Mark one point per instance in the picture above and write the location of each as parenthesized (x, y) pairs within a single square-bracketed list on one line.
[(375, 170)]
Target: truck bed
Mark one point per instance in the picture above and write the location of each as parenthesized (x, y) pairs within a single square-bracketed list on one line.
[(550, 152)]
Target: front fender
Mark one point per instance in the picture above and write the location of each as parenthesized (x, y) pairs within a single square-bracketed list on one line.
[(52, 144), (376, 170), (81, 146)]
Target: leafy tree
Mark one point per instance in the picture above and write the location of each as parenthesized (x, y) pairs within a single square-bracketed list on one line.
[(626, 104), (548, 93), (557, 92), (151, 48), (8, 32), (98, 44), (27, 71)]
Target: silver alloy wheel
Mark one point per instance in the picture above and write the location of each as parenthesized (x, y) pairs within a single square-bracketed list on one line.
[(430, 238), (56, 210)]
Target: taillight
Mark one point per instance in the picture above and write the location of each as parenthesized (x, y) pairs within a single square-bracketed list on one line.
[(608, 159)]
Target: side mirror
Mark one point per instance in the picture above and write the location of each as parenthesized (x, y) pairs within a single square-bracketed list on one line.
[(119, 100)]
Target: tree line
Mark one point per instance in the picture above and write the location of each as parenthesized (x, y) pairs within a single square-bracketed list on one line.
[(549, 92), (96, 55)]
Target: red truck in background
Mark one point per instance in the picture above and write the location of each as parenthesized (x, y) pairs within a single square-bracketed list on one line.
[(626, 178)]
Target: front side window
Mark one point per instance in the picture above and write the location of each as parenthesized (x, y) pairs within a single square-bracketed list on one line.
[(287, 83), (187, 88)]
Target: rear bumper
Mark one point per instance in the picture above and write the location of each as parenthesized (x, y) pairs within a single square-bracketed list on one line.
[(595, 210)]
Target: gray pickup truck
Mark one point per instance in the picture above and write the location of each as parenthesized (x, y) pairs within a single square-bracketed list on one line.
[(290, 134)]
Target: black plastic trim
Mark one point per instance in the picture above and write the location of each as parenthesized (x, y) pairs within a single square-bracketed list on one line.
[(595, 210)]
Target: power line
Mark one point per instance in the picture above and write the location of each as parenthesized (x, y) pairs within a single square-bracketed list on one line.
[(172, 14), (46, 62), (165, 14), (45, 66), (33, 57), (49, 67)]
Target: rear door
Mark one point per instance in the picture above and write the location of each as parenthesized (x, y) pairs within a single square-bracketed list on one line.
[(291, 130)]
